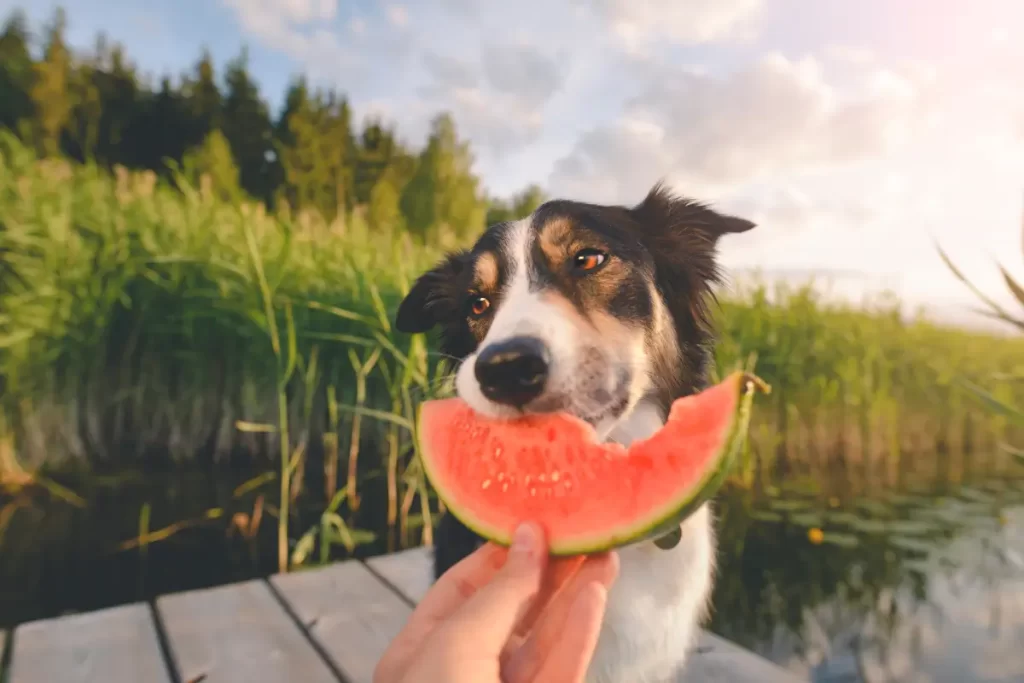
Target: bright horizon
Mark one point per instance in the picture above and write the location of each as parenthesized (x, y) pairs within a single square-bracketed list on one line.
[(857, 135)]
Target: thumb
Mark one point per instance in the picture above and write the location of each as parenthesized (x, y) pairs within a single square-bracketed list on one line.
[(493, 612)]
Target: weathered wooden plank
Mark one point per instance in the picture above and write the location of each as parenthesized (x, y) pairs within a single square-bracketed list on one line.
[(238, 632), (348, 611), (717, 660), (410, 572), (114, 645), (714, 661)]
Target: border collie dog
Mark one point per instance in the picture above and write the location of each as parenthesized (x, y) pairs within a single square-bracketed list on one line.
[(602, 312)]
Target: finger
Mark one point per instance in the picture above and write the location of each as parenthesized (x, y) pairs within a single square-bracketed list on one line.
[(457, 585), (524, 663), (559, 572), (568, 661), (492, 613), (450, 591), (557, 576)]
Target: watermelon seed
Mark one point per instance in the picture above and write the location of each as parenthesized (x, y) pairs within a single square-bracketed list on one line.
[(533, 490), (504, 487), (542, 478), (555, 476), (486, 484)]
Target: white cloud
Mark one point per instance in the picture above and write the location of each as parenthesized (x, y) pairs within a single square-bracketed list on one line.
[(772, 116), (637, 22), (291, 11), (522, 70), (312, 33), (846, 156), (398, 15)]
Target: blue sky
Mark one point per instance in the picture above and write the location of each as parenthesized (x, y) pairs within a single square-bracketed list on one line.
[(854, 133)]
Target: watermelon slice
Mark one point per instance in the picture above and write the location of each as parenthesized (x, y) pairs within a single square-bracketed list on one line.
[(588, 496)]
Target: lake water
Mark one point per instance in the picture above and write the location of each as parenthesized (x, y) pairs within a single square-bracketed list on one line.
[(917, 587), (922, 585)]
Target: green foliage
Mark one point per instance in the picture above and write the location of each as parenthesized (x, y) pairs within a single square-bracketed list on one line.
[(50, 91), (213, 160), (317, 158), (862, 387), (120, 286), (16, 73), (95, 107), (523, 204), (384, 212), (249, 130), (441, 200)]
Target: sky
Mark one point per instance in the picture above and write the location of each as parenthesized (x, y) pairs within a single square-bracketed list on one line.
[(858, 135)]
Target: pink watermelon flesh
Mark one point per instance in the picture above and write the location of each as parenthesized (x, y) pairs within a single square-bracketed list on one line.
[(589, 496)]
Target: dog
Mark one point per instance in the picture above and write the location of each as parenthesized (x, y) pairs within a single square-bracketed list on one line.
[(603, 312)]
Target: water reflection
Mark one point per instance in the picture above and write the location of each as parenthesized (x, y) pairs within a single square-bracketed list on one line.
[(919, 586)]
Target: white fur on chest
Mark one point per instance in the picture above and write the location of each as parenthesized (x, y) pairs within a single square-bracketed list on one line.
[(660, 597)]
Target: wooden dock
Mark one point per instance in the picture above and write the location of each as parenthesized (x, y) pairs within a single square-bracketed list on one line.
[(323, 625)]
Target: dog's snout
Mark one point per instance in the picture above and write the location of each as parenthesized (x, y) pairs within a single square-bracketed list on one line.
[(513, 371)]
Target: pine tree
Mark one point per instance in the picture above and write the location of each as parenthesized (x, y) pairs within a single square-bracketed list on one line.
[(204, 104), (316, 150), (86, 114), (248, 129), (16, 73), (376, 153), (164, 111), (296, 97), (440, 202), (119, 103), (50, 92)]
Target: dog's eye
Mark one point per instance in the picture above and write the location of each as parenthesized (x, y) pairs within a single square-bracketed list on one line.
[(478, 305), (588, 259)]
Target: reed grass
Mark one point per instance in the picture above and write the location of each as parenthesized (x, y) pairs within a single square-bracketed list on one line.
[(142, 322)]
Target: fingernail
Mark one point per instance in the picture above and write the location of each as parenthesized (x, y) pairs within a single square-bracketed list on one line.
[(524, 540)]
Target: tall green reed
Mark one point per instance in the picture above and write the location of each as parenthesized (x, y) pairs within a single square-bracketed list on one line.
[(999, 404)]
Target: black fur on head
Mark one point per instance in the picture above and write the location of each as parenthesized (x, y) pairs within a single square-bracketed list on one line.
[(437, 298)]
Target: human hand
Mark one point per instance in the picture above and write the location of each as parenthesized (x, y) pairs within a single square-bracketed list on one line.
[(505, 616)]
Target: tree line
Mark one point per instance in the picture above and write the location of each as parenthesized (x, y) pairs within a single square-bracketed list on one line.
[(95, 106)]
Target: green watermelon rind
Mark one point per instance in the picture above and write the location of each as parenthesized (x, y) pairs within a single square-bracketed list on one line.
[(655, 525)]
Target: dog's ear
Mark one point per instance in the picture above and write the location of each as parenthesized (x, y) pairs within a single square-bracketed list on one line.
[(682, 235), (435, 297), (664, 210)]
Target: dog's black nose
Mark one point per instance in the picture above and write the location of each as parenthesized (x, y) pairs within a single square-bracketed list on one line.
[(513, 371)]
